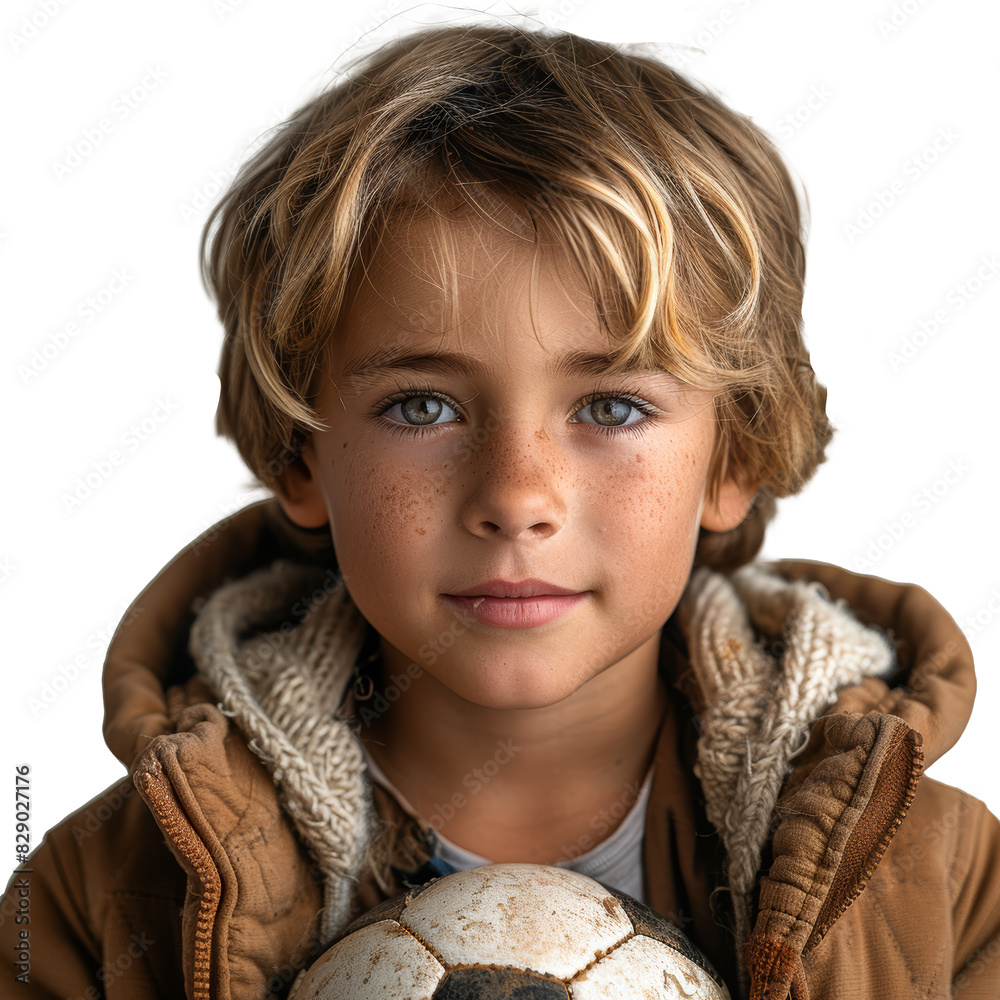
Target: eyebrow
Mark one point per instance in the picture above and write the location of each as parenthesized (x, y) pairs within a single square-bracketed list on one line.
[(573, 363)]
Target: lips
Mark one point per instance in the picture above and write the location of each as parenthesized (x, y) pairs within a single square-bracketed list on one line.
[(516, 612), (514, 588), (516, 603)]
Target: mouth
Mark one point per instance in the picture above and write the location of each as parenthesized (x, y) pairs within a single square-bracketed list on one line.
[(527, 611)]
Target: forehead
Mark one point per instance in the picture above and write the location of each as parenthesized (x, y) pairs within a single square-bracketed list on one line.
[(439, 282)]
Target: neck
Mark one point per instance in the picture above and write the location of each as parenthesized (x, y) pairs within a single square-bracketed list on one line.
[(520, 772)]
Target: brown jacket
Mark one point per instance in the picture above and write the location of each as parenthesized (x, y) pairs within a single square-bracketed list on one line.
[(187, 879)]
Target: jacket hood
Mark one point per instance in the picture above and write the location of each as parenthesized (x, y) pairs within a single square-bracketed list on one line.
[(148, 652)]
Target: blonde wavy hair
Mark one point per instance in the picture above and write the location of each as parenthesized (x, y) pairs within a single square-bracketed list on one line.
[(679, 212)]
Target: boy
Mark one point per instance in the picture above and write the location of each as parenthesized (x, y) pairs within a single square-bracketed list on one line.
[(512, 331)]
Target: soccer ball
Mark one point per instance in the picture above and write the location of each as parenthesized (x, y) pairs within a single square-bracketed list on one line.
[(516, 932)]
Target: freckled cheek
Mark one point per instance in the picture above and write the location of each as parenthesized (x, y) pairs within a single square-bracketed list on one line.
[(650, 514), (380, 512)]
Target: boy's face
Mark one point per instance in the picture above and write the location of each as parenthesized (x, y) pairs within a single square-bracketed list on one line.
[(436, 479)]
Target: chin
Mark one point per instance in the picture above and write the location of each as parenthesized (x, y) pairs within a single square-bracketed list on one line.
[(515, 692)]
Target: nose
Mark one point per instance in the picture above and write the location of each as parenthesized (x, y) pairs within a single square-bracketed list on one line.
[(519, 491)]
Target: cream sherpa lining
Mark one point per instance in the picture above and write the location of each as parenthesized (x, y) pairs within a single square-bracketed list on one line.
[(759, 708), (278, 647)]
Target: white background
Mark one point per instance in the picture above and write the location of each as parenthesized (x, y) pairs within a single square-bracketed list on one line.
[(209, 76)]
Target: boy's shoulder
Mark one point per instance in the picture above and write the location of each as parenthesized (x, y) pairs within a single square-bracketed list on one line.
[(104, 892), (189, 858), (927, 920)]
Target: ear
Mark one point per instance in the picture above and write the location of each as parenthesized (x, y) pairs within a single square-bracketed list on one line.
[(301, 496), (730, 506)]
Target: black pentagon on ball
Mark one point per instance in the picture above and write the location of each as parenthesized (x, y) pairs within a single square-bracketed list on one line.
[(498, 984)]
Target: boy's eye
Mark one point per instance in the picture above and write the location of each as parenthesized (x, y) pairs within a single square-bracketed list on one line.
[(608, 411), (421, 410), (426, 408)]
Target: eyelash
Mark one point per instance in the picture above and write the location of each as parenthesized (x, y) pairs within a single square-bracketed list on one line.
[(636, 429)]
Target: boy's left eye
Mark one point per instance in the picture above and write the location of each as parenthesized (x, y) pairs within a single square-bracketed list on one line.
[(425, 408), (610, 411)]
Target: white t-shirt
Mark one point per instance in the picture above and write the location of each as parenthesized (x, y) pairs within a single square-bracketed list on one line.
[(615, 862)]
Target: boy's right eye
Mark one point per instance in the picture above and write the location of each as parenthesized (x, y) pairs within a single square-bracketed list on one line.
[(419, 408)]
